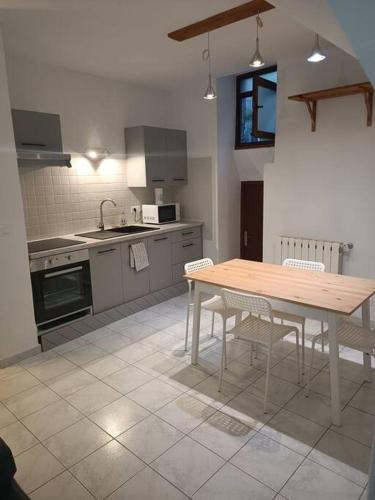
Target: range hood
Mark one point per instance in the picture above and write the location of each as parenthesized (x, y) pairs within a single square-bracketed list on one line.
[(38, 139)]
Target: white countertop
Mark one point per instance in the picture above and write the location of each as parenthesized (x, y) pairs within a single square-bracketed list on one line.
[(91, 242)]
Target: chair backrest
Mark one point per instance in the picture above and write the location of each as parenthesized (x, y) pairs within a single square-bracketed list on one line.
[(306, 265), (245, 302), (197, 265)]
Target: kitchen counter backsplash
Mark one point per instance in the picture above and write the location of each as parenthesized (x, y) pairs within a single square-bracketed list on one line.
[(61, 200)]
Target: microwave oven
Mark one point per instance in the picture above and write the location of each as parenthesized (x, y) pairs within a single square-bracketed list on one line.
[(161, 214)]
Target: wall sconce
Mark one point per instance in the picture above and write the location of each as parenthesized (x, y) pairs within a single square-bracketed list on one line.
[(96, 154)]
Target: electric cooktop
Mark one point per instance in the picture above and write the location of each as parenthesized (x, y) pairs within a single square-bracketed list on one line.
[(51, 244)]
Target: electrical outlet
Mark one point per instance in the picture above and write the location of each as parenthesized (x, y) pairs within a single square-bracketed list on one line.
[(135, 211)]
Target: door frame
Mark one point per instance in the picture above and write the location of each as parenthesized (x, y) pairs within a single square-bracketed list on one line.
[(242, 246)]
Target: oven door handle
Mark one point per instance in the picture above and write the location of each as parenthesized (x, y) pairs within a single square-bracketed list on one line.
[(65, 271)]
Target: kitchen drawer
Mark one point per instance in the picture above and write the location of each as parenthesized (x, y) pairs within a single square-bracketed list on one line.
[(187, 234), (186, 251)]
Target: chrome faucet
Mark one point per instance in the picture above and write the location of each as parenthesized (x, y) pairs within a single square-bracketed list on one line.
[(101, 221)]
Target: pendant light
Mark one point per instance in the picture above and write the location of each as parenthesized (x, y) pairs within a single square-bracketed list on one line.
[(257, 60), (210, 93), (317, 54)]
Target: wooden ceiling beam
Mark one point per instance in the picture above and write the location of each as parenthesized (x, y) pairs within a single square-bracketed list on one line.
[(224, 18)]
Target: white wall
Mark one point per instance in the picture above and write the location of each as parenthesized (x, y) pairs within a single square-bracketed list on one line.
[(17, 326), (321, 184), (94, 112)]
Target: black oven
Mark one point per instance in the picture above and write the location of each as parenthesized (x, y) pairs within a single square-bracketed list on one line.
[(61, 286)]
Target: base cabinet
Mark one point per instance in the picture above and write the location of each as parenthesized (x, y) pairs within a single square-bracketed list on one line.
[(106, 277), (115, 282), (136, 284)]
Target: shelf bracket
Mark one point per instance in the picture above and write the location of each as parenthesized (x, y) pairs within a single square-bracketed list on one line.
[(311, 108), (368, 96)]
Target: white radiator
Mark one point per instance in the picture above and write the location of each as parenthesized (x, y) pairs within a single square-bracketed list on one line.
[(328, 252)]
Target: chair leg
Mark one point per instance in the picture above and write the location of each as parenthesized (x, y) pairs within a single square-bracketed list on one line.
[(212, 324), (267, 379), (298, 363), (303, 348), (223, 355), (307, 391), (322, 331)]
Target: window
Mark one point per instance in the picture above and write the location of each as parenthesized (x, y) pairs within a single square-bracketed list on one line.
[(256, 108)]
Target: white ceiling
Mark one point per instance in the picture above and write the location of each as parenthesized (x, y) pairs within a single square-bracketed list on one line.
[(127, 39)]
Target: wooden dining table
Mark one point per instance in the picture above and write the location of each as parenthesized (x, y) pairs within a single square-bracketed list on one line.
[(321, 296)]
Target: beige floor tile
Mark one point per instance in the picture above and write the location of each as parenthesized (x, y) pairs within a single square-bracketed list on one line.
[(31, 400), (66, 385), (267, 460), (104, 366), (16, 383), (127, 380), (52, 419), (153, 395), (63, 487), (156, 363), (321, 384), (316, 407), (71, 345), (113, 342), (85, 354), (35, 467), (241, 375), (343, 456), (107, 469), (18, 438), (183, 376), (357, 425), (93, 397), (230, 482), (364, 400), (134, 352), (187, 465), (147, 484), (185, 413), (51, 368), (222, 435), (9, 371), (41, 357), (76, 442), (249, 409), (207, 392), (6, 417), (119, 416), (279, 391), (286, 369), (122, 325), (312, 481), (293, 431), (150, 438)]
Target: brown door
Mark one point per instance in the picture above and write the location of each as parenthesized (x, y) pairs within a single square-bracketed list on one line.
[(252, 220)]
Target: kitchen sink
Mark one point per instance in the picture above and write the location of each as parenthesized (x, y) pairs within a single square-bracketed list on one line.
[(115, 232)]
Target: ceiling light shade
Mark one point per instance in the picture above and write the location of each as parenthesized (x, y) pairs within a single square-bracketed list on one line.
[(210, 93), (257, 60), (317, 54), (96, 154)]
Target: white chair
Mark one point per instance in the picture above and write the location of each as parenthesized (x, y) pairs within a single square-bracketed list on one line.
[(306, 265), (255, 329), (350, 335), (214, 304)]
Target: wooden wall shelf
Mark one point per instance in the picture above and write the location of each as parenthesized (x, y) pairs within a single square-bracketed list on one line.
[(311, 98)]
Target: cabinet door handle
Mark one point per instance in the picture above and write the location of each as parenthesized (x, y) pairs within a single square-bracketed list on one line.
[(245, 238), (178, 178), (158, 180), (189, 232), (188, 245), (35, 144), (110, 250), (161, 239), (65, 271)]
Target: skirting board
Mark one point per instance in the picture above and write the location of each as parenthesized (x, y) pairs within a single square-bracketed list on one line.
[(87, 324), (19, 357)]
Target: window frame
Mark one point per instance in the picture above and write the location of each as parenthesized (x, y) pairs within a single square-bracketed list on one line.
[(239, 96)]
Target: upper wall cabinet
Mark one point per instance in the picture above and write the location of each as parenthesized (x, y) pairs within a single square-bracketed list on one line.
[(156, 157), (38, 139)]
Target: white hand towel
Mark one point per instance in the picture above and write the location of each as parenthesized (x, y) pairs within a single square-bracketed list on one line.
[(138, 256)]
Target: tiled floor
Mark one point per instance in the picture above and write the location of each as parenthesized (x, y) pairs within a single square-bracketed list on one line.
[(119, 413)]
